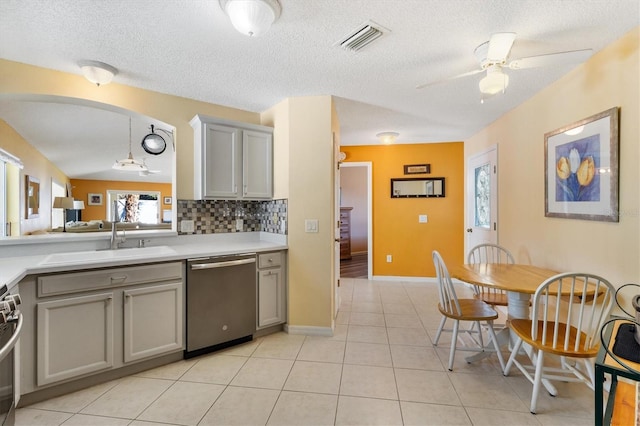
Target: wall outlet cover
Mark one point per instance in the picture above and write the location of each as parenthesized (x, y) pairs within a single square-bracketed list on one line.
[(422, 218), (187, 226)]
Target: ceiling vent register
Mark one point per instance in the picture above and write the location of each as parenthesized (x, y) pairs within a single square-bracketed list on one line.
[(362, 36)]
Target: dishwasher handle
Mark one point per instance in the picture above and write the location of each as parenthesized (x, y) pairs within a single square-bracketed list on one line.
[(224, 264)]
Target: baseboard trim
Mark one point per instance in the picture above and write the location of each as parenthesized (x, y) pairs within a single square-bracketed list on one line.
[(411, 279), (308, 330)]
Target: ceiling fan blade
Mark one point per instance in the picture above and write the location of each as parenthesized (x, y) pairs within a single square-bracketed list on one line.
[(444, 80), (500, 46), (560, 58)]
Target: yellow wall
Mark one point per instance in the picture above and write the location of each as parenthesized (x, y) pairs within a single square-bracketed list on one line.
[(82, 187), (610, 78), (396, 230), (36, 165)]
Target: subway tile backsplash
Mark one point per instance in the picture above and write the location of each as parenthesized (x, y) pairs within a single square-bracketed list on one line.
[(221, 216)]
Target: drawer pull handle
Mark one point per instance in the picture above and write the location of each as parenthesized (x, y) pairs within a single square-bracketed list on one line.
[(119, 279)]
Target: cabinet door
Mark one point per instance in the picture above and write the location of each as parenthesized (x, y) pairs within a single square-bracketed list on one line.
[(257, 167), (222, 162), (270, 297), (152, 321), (74, 337)]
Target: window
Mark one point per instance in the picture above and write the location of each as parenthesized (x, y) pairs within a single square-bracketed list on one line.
[(134, 206)]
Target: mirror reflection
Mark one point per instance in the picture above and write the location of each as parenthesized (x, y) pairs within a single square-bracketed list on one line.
[(417, 187), (80, 141), (32, 197)]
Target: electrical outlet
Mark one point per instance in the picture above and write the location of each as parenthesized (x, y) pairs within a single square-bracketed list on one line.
[(422, 218), (389, 258), (186, 226), (239, 225)]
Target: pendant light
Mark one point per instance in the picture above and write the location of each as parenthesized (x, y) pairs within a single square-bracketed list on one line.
[(129, 164)]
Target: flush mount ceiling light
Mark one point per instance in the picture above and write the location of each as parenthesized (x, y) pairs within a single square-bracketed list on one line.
[(153, 143), (387, 137), (251, 17), (129, 164), (494, 82), (98, 73)]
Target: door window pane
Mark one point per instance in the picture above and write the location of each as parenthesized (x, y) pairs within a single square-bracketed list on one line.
[(483, 196)]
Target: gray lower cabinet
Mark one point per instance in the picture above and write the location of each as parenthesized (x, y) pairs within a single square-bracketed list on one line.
[(152, 321), (271, 289), (97, 320), (75, 337)]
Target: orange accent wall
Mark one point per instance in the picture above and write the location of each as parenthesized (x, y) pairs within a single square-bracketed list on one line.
[(396, 230), (80, 188)]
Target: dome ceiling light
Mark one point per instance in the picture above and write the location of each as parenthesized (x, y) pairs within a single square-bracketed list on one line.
[(251, 17), (98, 73), (387, 138)]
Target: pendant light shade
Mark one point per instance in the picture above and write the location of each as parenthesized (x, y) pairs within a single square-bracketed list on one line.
[(251, 17), (129, 164)]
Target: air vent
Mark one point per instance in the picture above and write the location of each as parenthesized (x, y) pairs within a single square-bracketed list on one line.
[(362, 36)]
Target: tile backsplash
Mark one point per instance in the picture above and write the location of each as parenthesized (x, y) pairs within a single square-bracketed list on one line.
[(221, 216)]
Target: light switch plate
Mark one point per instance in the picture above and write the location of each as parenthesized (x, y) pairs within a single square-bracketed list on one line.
[(311, 225), (186, 226)]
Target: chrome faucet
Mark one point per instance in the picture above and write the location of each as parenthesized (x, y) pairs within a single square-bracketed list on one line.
[(115, 241)]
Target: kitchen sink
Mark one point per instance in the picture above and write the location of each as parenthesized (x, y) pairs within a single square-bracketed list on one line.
[(101, 255)]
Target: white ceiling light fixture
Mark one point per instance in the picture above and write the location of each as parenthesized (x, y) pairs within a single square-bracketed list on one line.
[(98, 73), (494, 82), (129, 164), (251, 17), (387, 137)]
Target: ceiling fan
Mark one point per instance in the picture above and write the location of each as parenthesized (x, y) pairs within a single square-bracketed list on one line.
[(493, 56), (147, 171)]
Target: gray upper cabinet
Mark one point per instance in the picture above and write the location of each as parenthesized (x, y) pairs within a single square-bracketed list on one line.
[(232, 160)]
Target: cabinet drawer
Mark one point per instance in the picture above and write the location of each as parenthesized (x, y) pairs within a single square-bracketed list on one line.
[(268, 260), (50, 285)]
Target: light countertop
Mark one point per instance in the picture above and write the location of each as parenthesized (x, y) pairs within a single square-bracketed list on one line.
[(14, 268)]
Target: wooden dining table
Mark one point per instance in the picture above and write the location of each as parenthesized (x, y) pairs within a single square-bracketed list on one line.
[(518, 280)]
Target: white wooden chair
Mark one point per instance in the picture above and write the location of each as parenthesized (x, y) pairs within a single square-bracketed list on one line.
[(473, 310), (565, 323), (490, 253)]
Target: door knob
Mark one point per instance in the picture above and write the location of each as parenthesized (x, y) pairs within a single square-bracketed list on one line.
[(337, 240), (469, 230)]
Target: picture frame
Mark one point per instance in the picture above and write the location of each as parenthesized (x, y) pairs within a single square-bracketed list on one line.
[(416, 169), (166, 200), (581, 169), (94, 199)]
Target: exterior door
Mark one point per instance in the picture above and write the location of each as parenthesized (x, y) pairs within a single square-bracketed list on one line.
[(336, 221), (482, 198)]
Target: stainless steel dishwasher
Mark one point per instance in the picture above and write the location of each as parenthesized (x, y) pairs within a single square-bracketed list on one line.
[(221, 302)]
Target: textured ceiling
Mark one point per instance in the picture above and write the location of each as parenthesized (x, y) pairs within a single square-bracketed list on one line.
[(189, 48)]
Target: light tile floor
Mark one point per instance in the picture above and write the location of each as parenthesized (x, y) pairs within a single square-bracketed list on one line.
[(380, 367)]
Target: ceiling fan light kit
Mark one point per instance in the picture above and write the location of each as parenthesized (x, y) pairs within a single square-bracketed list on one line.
[(494, 82), (251, 17), (98, 73)]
